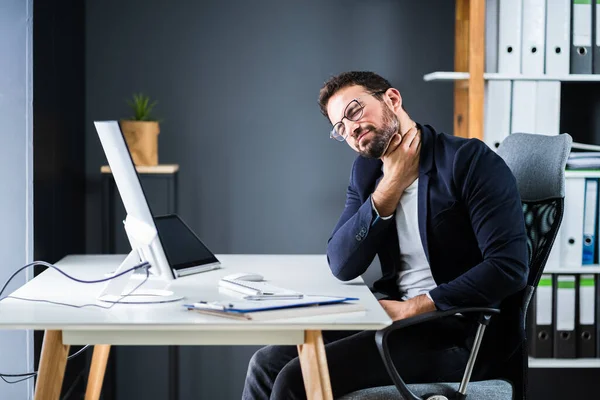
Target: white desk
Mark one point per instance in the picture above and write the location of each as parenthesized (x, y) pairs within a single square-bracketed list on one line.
[(172, 324)]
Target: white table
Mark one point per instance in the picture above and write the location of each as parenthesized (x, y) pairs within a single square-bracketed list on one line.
[(172, 324)]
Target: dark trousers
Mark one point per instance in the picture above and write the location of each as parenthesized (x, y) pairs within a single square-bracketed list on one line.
[(435, 351)]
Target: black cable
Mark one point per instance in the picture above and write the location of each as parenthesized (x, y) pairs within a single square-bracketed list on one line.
[(29, 375), (83, 305), (45, 264), (18, 380), (69, 391), (79, 352)]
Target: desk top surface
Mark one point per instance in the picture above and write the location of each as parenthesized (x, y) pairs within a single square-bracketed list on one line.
[(309, 274)]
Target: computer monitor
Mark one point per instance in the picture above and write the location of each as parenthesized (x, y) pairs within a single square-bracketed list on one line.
[(166, 242)]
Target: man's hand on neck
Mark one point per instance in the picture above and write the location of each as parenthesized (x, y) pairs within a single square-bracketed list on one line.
[(400, 170)]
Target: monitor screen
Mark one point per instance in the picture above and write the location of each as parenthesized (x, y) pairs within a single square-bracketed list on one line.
[(182, 247)]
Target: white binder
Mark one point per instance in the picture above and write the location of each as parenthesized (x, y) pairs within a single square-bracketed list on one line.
[(509, 36), (558, 36), (547, 107), (554, 257), (571, 251), (534, 33), (491, 35), (523, 106), (497, 112)]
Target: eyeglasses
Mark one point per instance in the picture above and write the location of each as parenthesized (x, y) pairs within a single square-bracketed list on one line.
[(352, 112)]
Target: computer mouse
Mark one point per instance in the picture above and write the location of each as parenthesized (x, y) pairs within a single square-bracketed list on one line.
[(245, 276)]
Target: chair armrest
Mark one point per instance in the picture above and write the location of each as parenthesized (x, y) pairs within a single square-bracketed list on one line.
[(381, 337)]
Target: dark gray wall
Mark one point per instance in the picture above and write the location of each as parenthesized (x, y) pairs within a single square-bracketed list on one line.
[(237, 85), (58, 142)]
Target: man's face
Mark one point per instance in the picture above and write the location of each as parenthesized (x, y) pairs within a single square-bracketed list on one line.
[(371, 133)]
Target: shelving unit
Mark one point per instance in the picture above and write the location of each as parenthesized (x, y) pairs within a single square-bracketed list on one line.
[(582, 174), (469, 80), (564, 363), (588, 269), (469, 56), (493, 76), (469, 76)]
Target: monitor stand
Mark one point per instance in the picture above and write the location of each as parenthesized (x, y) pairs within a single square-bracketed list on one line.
[(143, 237)]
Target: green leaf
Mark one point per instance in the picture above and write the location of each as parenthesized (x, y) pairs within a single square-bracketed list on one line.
[(142, 107)]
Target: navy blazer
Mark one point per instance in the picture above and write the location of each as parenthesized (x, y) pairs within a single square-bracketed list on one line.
[(471, 225)]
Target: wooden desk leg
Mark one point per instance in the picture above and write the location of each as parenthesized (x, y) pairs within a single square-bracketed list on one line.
[(53, 362), (314, 366), (97, 369)]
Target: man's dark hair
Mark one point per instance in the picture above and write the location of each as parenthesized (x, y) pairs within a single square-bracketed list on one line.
[(369, 80)]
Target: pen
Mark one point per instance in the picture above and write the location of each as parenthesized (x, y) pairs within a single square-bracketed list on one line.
[(274, 297)]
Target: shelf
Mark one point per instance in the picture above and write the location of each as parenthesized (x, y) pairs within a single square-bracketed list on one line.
[(447, 76), (457, 76), (591, 269), (582, 174), (564, 363)]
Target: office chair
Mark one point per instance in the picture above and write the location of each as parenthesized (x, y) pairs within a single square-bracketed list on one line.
[(538, 164)]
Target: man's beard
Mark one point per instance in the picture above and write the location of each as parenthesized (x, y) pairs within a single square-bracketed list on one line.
[(380, 138)]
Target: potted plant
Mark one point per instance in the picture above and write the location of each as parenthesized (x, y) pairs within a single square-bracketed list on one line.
[(141, 131)]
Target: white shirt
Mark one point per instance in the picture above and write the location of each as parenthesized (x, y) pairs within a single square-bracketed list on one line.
[(415, 276)]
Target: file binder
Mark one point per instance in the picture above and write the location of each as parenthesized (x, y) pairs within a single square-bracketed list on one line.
[(547, 107), (589, 221), (565, 344), (571, 251), (558, 37), (509, 36), (497, 112), (586, 328), (534, 27), (542, 336), (596, 38), (491, 35), (597, 313), (554, 256), (581, 37), (523, 106)]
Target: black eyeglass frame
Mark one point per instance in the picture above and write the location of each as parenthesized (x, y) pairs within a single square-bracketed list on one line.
[(340, 138)]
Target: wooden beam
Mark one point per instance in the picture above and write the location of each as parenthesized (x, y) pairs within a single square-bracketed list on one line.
[(461, 64), (97, 369), (313, 362), (53, 362), (476, 67)]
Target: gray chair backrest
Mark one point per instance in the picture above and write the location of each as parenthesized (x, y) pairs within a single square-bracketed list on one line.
[(538, 163)]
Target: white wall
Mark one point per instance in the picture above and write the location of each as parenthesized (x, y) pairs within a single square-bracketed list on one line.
[(16, 178)]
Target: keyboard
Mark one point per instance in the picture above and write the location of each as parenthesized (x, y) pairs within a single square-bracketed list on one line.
[(259, 290)]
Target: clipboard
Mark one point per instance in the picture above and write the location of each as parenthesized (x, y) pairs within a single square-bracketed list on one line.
[(274, 309)]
